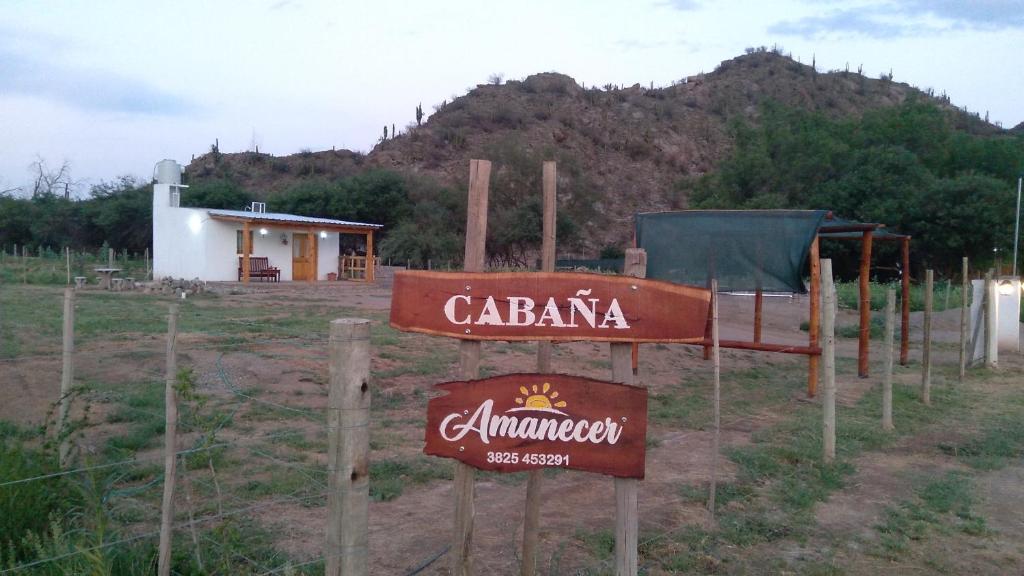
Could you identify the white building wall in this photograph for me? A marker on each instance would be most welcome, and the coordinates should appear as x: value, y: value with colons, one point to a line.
x: 178, y: 238
x: 188, y: 244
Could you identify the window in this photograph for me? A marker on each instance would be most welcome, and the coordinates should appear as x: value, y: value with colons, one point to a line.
x: 238, y: 242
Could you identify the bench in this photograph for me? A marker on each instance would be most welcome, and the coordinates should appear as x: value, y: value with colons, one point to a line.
x: 259, y: 267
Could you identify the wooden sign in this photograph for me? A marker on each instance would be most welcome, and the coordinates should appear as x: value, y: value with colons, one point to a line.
x: 555, y: 306
x: 526, y: 421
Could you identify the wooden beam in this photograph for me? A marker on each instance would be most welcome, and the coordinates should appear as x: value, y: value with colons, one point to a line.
x: 758, y: 313
x: 534, y: 482
x: 863, y: 343
x: 765, y: 347
x: 814, y: 318
x: 626, y: 489
x: 469, y: 366
x: 905, y: 304
x: 246, y: 250
x: 314, y: 255
x: 369, y: 257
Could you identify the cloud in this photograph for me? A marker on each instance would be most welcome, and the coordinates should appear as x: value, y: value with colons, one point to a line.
x: 897, y: 18
x: 854, y: 22
x: 685, y: 5
x: 987, y: 14
x: 36, y: 72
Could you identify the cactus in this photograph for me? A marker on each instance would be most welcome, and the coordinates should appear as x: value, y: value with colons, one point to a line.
x: 419, y: 113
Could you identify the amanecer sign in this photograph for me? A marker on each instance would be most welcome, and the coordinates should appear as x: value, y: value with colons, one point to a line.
x: 525, y: 421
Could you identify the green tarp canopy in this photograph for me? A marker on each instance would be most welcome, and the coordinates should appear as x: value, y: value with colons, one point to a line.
x: 745, y: 250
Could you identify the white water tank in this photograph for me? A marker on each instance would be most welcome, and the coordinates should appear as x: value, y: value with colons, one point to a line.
x: 167, y: 172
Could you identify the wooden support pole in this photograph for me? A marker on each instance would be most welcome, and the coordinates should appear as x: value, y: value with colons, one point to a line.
x: 758, y: 313
x: 926, y: 343
x: 534, y: 481
x: 67, y: 255
x: 370, y: 260
x: 110, y: 257
x: 863, y: 343
x: 814, y: 318
x: 890, y: 329
x: 828, y: 353
x: 348, y: 456
x: 246, y: 250
x: 626, y: 507
x: 170, y: 442
x: 991, y: 322
x: 469, y: 365
x: 964, y: 285
x: 905, y: 303
x: 716, y: 400
x: 66, y: 377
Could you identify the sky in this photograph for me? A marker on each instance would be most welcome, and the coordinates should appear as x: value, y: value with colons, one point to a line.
x: 113, y: 87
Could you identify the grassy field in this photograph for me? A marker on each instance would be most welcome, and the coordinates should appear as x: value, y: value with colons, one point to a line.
x: 252, y: 481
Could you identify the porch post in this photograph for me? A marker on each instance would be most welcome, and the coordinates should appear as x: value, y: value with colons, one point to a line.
x: 905, y: 304
x: 369, y: 256
x: 813, y: 321
x: 246, y: 250
x: 314, y: 254
x: 863, y: 345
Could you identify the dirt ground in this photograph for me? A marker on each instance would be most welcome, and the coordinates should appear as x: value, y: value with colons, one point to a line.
x: 410, y: 533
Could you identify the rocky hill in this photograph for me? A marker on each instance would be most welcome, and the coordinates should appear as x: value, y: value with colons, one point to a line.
x: 630, y: 144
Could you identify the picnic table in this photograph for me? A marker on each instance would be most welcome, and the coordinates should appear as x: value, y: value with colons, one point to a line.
x: 106, y: 275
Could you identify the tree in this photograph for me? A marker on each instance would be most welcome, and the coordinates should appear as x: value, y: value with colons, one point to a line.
x: 47, y: 181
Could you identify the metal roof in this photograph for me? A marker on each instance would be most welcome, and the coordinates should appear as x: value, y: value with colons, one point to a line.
x: 278, y: 217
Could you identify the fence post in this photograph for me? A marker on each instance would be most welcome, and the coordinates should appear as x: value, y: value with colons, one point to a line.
x: 348, y: 458
x: 716, y: 398
x: 626, y: 509
x: 67, y: 253
x: 66, y: 377
x: 170, y: 442
x: 110, y: 257
x: 963, y: 318
x: 469, y: 365
x: 828, y: 354
x: 890, y: 329
x: 926, y: 345
x: 534, y: 481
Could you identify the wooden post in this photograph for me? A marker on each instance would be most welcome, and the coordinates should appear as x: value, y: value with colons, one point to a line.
x: 828, y: 352
x: 469, y: 364
x: 926, y: 344
x: 716, y: 399
x: 991, y: 322
x: 348, y: 457
x: 66, y: 377
x: 370, y: 272
x: 67, y: 254
x: 864, y: 344
x: 964, y: 285
x: 170, y: 442
x: 949, y: 287
x: 626, y: 509
x: 758, y: 313
x: 890, y: 329
x: 534, y: 481
x: 905, y: 304
x: 246, y: 250
x: 110, y: 257
x: 814, y: 318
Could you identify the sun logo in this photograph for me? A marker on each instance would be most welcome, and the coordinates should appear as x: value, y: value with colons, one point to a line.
x: 540, y: 399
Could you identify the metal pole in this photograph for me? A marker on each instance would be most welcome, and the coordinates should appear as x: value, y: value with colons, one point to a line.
x: 1016, y: 227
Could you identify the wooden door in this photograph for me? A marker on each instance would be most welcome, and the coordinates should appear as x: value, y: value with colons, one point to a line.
x: 302, y: 257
